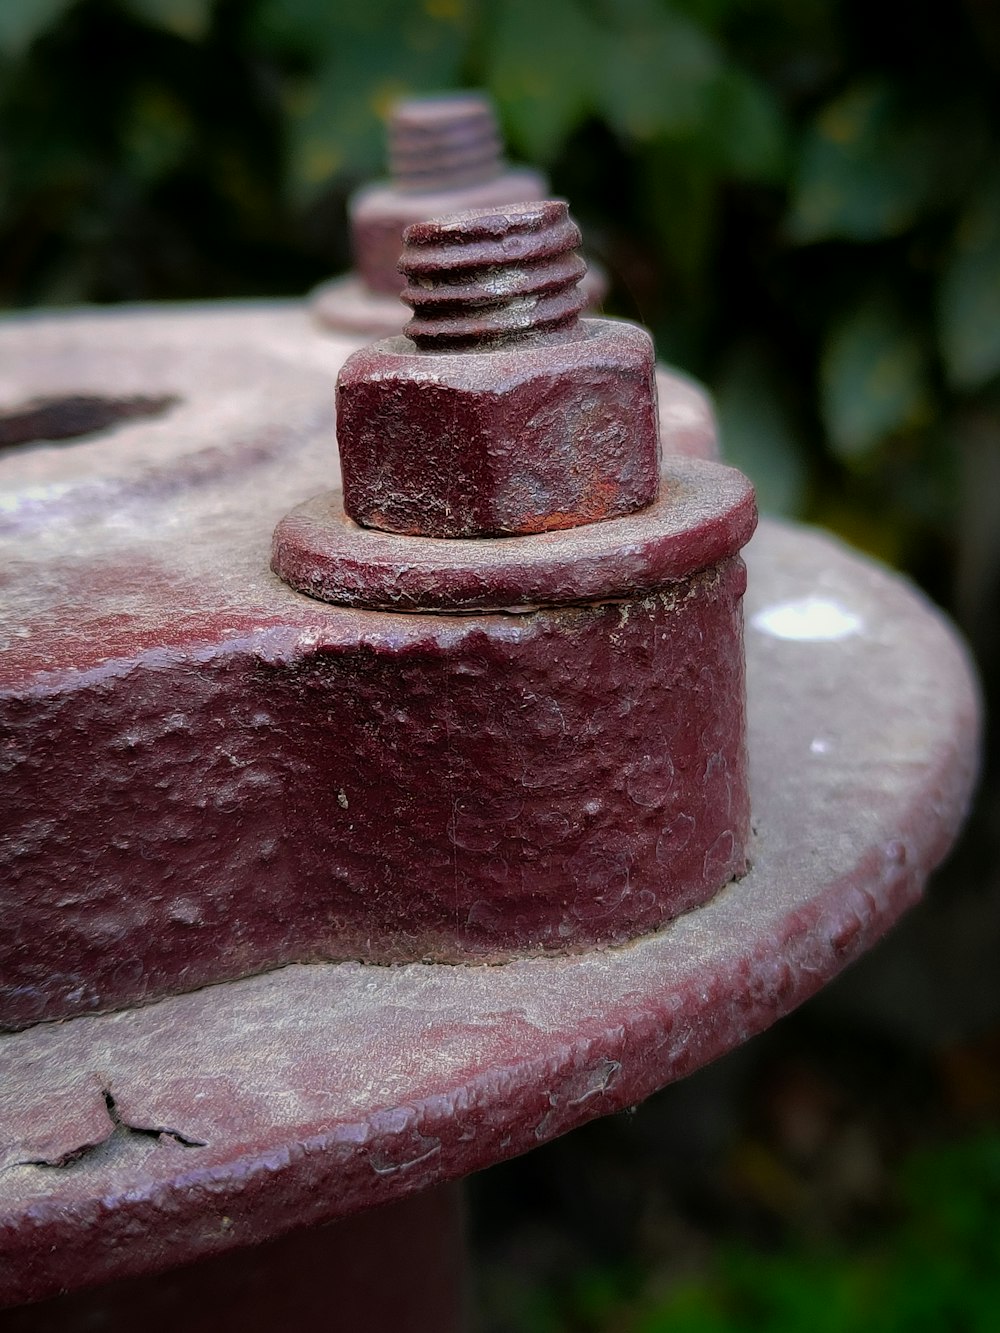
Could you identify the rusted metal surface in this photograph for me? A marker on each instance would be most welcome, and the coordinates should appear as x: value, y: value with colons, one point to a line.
x: 246, y: 386
x: 445, y: 156
x: 501, y: 412
x: 211, y: 775
x: 314, y: 1091
x: 181, y: 724
x: 438, y: 455
x: 703, y: 515
x: 492, y: 277
x: 397, y: 1269
x: 447, y: 142
x: 589, y: 782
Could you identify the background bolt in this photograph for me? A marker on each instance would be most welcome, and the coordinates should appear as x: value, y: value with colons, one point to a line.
x: 445, y: 154
x: 444, y: 143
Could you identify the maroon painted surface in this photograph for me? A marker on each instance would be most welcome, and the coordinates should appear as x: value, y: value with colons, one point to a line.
x: 704, y: 514
x: 319, y: 1090
x: 396, y: 1269
x: 448, y: 141
x: 212, y: 807
x: 347, y: 306
x: 687, y: 419
x: 239, y: 1112
x: 208, y: 776
x: 380, y: 214
x: 513, y: 440
x: 445, y: 155
x: 246, y: 388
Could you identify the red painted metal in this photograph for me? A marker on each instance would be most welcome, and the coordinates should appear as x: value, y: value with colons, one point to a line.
x: 265, y: 796
x: 148, y: 629
x: 321, y: 1090
x: 445, y: 157
x: 534, y: 815
x: 398, y: 1268
x: 703, y: 515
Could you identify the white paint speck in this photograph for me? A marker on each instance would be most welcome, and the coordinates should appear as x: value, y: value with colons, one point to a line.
x: 819, y: 746
x: 816, y: 619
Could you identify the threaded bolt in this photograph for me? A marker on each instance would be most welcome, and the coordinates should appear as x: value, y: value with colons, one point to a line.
x: 503, y: 412
x: 491, y: 277
x: 444, y: 143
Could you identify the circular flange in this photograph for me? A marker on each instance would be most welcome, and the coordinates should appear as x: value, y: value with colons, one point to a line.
x: 312, y: 1092
x: 704, y: 513
x: 346, y: 305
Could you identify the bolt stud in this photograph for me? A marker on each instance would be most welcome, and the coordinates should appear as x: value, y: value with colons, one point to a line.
x: 443, y: 143
x: 490, y: 276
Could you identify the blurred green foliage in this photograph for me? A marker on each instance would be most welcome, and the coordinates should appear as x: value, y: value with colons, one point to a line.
x: 935, y: 1268
x: 800, y: 197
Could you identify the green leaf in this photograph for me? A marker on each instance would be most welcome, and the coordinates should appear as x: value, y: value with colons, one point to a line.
x: 969, y: 304
x: 542, y: 62
x: 658, y: 76
x: 873, y: 379
x: 756, y: 432
x: 185, y: 18
x: 21, y: 21
x: 303, y: 28
x: 865, y: 170
x: 680, y: 202
x: 384, y: 50
x: 157, y: 133
x: 747, y: 128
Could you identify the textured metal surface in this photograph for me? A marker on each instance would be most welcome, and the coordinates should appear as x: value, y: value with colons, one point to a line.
x: 704, y: 514
x: 246, y: 387
x: 346, y: 305
x: 346, y: 784
x: 500, y: 412
x: 444, y: 155
x: 449, y: 141
x: 380, y: 214
x: 210, y: 775
x: 491, y: 276
x: 515, y: 440
x: 397, y: 1269
x: 243, y: 1110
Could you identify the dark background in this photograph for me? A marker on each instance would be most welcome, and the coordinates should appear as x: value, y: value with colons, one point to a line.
x: 802, y: 200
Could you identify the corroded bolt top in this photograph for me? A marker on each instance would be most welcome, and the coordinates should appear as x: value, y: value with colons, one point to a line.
x: 492, y: 276
x: 444, y: 143
x: 503, y: 412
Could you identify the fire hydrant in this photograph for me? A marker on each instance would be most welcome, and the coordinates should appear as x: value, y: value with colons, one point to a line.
x: 490, y: 733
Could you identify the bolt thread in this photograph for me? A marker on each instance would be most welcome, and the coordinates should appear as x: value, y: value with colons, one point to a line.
x: 444, y: 143
x: 492, y: 276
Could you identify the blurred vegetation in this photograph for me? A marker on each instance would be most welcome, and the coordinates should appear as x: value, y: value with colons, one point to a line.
x: 935, y: 1267
x: 800, y: 197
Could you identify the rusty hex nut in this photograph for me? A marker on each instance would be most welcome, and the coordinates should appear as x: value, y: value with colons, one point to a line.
x: 518, y: 439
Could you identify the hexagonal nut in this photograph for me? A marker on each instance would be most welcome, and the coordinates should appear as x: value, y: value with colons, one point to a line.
x: 524, y: 438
